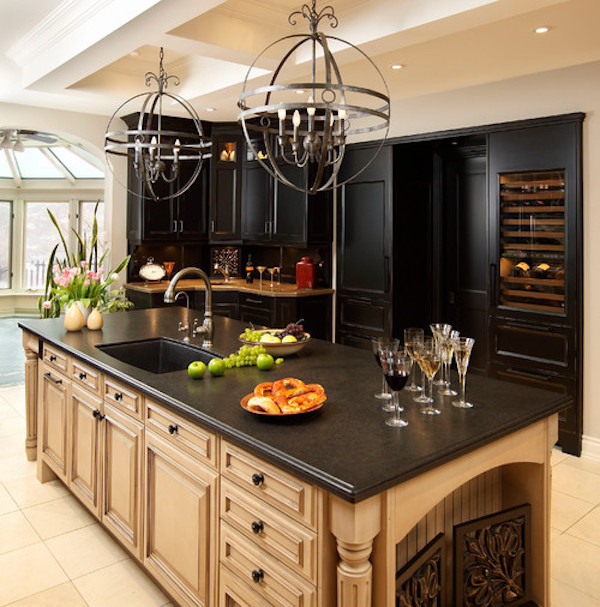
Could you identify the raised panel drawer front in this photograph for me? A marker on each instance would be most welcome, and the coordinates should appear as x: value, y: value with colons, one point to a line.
x: 182, y: 433
x: 265, y: 574
x: 234, y: 593
x: 86, y: 376
x: 122, y: 397
x: 55, y: 358
x: 280, y: 489
x: 288, y: 541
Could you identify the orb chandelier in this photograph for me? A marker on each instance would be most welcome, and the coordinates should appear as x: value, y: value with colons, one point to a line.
x: 157, y: 154
x: 311, y: 122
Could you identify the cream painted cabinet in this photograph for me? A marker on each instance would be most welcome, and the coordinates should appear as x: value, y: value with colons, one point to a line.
x: 54, y: 389
x: 181, y: 522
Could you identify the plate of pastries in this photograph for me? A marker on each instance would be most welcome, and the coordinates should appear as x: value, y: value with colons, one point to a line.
x: 287, y: 396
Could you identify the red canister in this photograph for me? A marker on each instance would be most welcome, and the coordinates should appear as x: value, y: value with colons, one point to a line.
x: 306, y: 274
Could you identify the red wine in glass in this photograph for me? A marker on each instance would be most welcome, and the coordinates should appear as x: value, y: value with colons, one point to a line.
x: 396, y: 382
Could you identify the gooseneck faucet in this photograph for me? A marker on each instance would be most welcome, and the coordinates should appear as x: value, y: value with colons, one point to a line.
x: 207, y: 329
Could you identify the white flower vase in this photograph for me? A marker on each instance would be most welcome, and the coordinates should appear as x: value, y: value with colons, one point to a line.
x: 95, y: 320
x: 74, y: 318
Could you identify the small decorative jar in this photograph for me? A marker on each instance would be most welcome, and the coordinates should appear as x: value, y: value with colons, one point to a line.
x: 95, y: 320
x: 306, y: 274
x: 74, y: 320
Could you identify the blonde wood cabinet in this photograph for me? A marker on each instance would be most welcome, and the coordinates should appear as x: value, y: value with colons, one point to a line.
x: 181, y: 516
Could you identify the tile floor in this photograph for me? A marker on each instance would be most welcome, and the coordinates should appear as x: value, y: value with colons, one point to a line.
x: 54, y: 554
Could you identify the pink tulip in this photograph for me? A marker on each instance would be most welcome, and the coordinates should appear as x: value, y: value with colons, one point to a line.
x: 86, y: 282
x: 100, y: 270
x: 47, y: 305
x: 84, y: 264
x: 55, y: 268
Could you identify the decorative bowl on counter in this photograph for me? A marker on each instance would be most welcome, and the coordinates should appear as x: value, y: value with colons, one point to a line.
x: 277, y: 349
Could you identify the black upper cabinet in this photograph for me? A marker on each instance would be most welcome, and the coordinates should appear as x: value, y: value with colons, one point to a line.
x: 225, y: 184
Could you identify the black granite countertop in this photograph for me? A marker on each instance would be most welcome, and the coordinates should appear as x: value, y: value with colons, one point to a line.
x: 344, y: 447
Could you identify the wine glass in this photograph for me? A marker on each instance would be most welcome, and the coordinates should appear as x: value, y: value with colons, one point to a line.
x: 380, y: 346
x: 412, y: 338
x: 440, y: 330
x: 429, y: 359
x: 462, y: 354
x: 169, y: 265
x: 277, y: 270
x: 261, y: 269
x: 271, y: 272
x: 396, y: 368
x: 447, y: 345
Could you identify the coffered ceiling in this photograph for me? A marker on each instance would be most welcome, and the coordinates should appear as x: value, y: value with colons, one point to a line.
x: 90, y: 55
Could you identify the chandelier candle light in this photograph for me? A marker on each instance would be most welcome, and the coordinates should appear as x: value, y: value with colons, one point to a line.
x: 157, y: 154
x: 312, y: 129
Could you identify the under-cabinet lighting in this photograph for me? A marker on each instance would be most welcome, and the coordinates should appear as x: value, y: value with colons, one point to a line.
x: 543, y: 29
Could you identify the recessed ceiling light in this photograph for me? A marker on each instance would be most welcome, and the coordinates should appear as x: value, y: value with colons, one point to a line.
x: 300, y: 91
x: 543, y: 29
x: 134, y: 54
x: 210, y: 109
x: 397, y: 66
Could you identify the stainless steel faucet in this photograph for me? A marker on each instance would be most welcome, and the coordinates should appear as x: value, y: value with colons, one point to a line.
x: 207, y: 329
x: 224, y: 269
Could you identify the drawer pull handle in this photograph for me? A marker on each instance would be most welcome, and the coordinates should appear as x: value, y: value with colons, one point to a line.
x: 254, y: 301
x: 98, y: 415
x: 531, y: 374
x: 258, y: 478
x: 173, y: 428
x: 55, y: 381
x: 52, y: 358
x: 82, y: 375
x: 257, y: 575
x: 118, y: 396
x: 257, y: 526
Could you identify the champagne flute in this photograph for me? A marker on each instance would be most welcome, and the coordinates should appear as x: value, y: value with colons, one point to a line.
x: 261, y: 269
x: 429, y: 359
x: 169, y: 265
x: 396, y: 368
x: 390, y: 346
x: 440, y: 330
x: 271, y: 272
x: 278, y: 272
x: 412, y: 338
x: 447, y: 345
x: 462, y: 354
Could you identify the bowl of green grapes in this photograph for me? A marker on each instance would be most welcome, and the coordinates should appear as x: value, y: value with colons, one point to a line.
x: 277, y: 342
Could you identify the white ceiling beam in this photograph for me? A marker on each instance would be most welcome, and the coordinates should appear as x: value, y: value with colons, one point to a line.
x: 58, y: 166
x: 13, y: 167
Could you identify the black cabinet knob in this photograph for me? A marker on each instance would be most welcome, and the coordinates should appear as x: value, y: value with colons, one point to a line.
x: 258, y: 478
x: 52, y: 358
x: 98, y: 415
x: 257, y: 575
x: 82, y: 375
x: 257, y: 526
x: 118, y: 396
x: 173, y: 428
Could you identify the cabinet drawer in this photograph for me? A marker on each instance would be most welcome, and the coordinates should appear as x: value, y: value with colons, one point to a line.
x: 122, y: 397
x: 182, y: 433
x: 280, y: 489
x: 265, y: 574
x: 234, y: 593
x: 284, y: 539
x: 362, y: 314
x: 86, y: 376
x: 250, y: 300
x: 55, y: 358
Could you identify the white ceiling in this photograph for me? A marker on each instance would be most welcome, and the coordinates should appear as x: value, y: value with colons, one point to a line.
x: 77, y: 54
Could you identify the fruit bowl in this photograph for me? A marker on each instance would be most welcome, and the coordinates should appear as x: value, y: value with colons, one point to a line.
x: 278, y: 349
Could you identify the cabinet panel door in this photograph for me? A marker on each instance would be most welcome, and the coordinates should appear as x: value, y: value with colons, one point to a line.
x: 180, y: 522
x: 122, y: 473
x: 54, y: 391
x: 159, y: 219
x: 290, y: 208
x: 256, y: 208
x: 192, y: 205
x: 85, y: 445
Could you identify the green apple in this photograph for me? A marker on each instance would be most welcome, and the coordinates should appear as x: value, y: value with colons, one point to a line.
x: 216, y: 367
x: 196, y: 369
x: 288, y: 339
x: 264, y: 362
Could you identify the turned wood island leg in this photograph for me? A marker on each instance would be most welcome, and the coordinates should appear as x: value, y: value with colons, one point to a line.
x: 31, y: 346
x: 354, y: 527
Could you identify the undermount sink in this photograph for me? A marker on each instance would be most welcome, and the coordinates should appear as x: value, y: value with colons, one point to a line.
x: 157, y: 355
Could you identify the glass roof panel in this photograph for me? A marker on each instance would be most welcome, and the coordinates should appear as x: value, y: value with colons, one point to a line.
x: 5, y: 171
x: 77, y: 166
x: 32, y: 164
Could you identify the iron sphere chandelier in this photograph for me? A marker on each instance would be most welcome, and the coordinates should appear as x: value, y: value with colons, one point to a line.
x: 310, y: 123
x: 157, y: 154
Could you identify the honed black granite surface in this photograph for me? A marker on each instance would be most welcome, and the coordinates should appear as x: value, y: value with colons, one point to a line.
x: 344, y: 447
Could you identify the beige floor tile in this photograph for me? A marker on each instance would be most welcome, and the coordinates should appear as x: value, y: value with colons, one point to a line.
x: 583, y: 463
x: 27, y: 492
x: 588, y: 528
x: 65, y: 595
x: 567, y: 510
x: 558, y: 456
x: 6, y: 411
x: 12, y: 426
x: 577, y: 563
x: 554, y: 533
x: 14, y: 394
x: 577, y: 483
x: 564, y: 595
x: 85, y: 550
x: 28, y: 571
x: 16, y: 532
x: 7, y: 503
x: 58, y: 516
x: 128, y: 586
x: 11, y: 446
x: 16, y: 466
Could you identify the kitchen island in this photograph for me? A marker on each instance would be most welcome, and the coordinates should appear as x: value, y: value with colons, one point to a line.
x: 318, y: 509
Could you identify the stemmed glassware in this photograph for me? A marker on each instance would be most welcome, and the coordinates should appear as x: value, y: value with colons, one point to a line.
x: 384, y: 347
x: 261, y: 269
x: 440, y: 330
x: 462, y: 354
x: 169, y: 265
x: 271, y: 272
x: 277, y: 270
x: 429, y: 359
x: 413, y: 337
x: 396, y: 368
x: 447, y: 345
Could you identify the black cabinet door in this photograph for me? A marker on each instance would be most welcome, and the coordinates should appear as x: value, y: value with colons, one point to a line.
x: 192, y: 211
x: 290, y: 208
x: 257, y: 199
x: 159, y: 219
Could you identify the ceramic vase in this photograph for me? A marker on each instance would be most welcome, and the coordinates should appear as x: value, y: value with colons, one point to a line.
x: 95, y: 320
x: 74, y: 318
x: 85, y: 310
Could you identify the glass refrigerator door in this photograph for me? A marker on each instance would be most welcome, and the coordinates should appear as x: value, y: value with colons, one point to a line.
x: 532, y: 240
